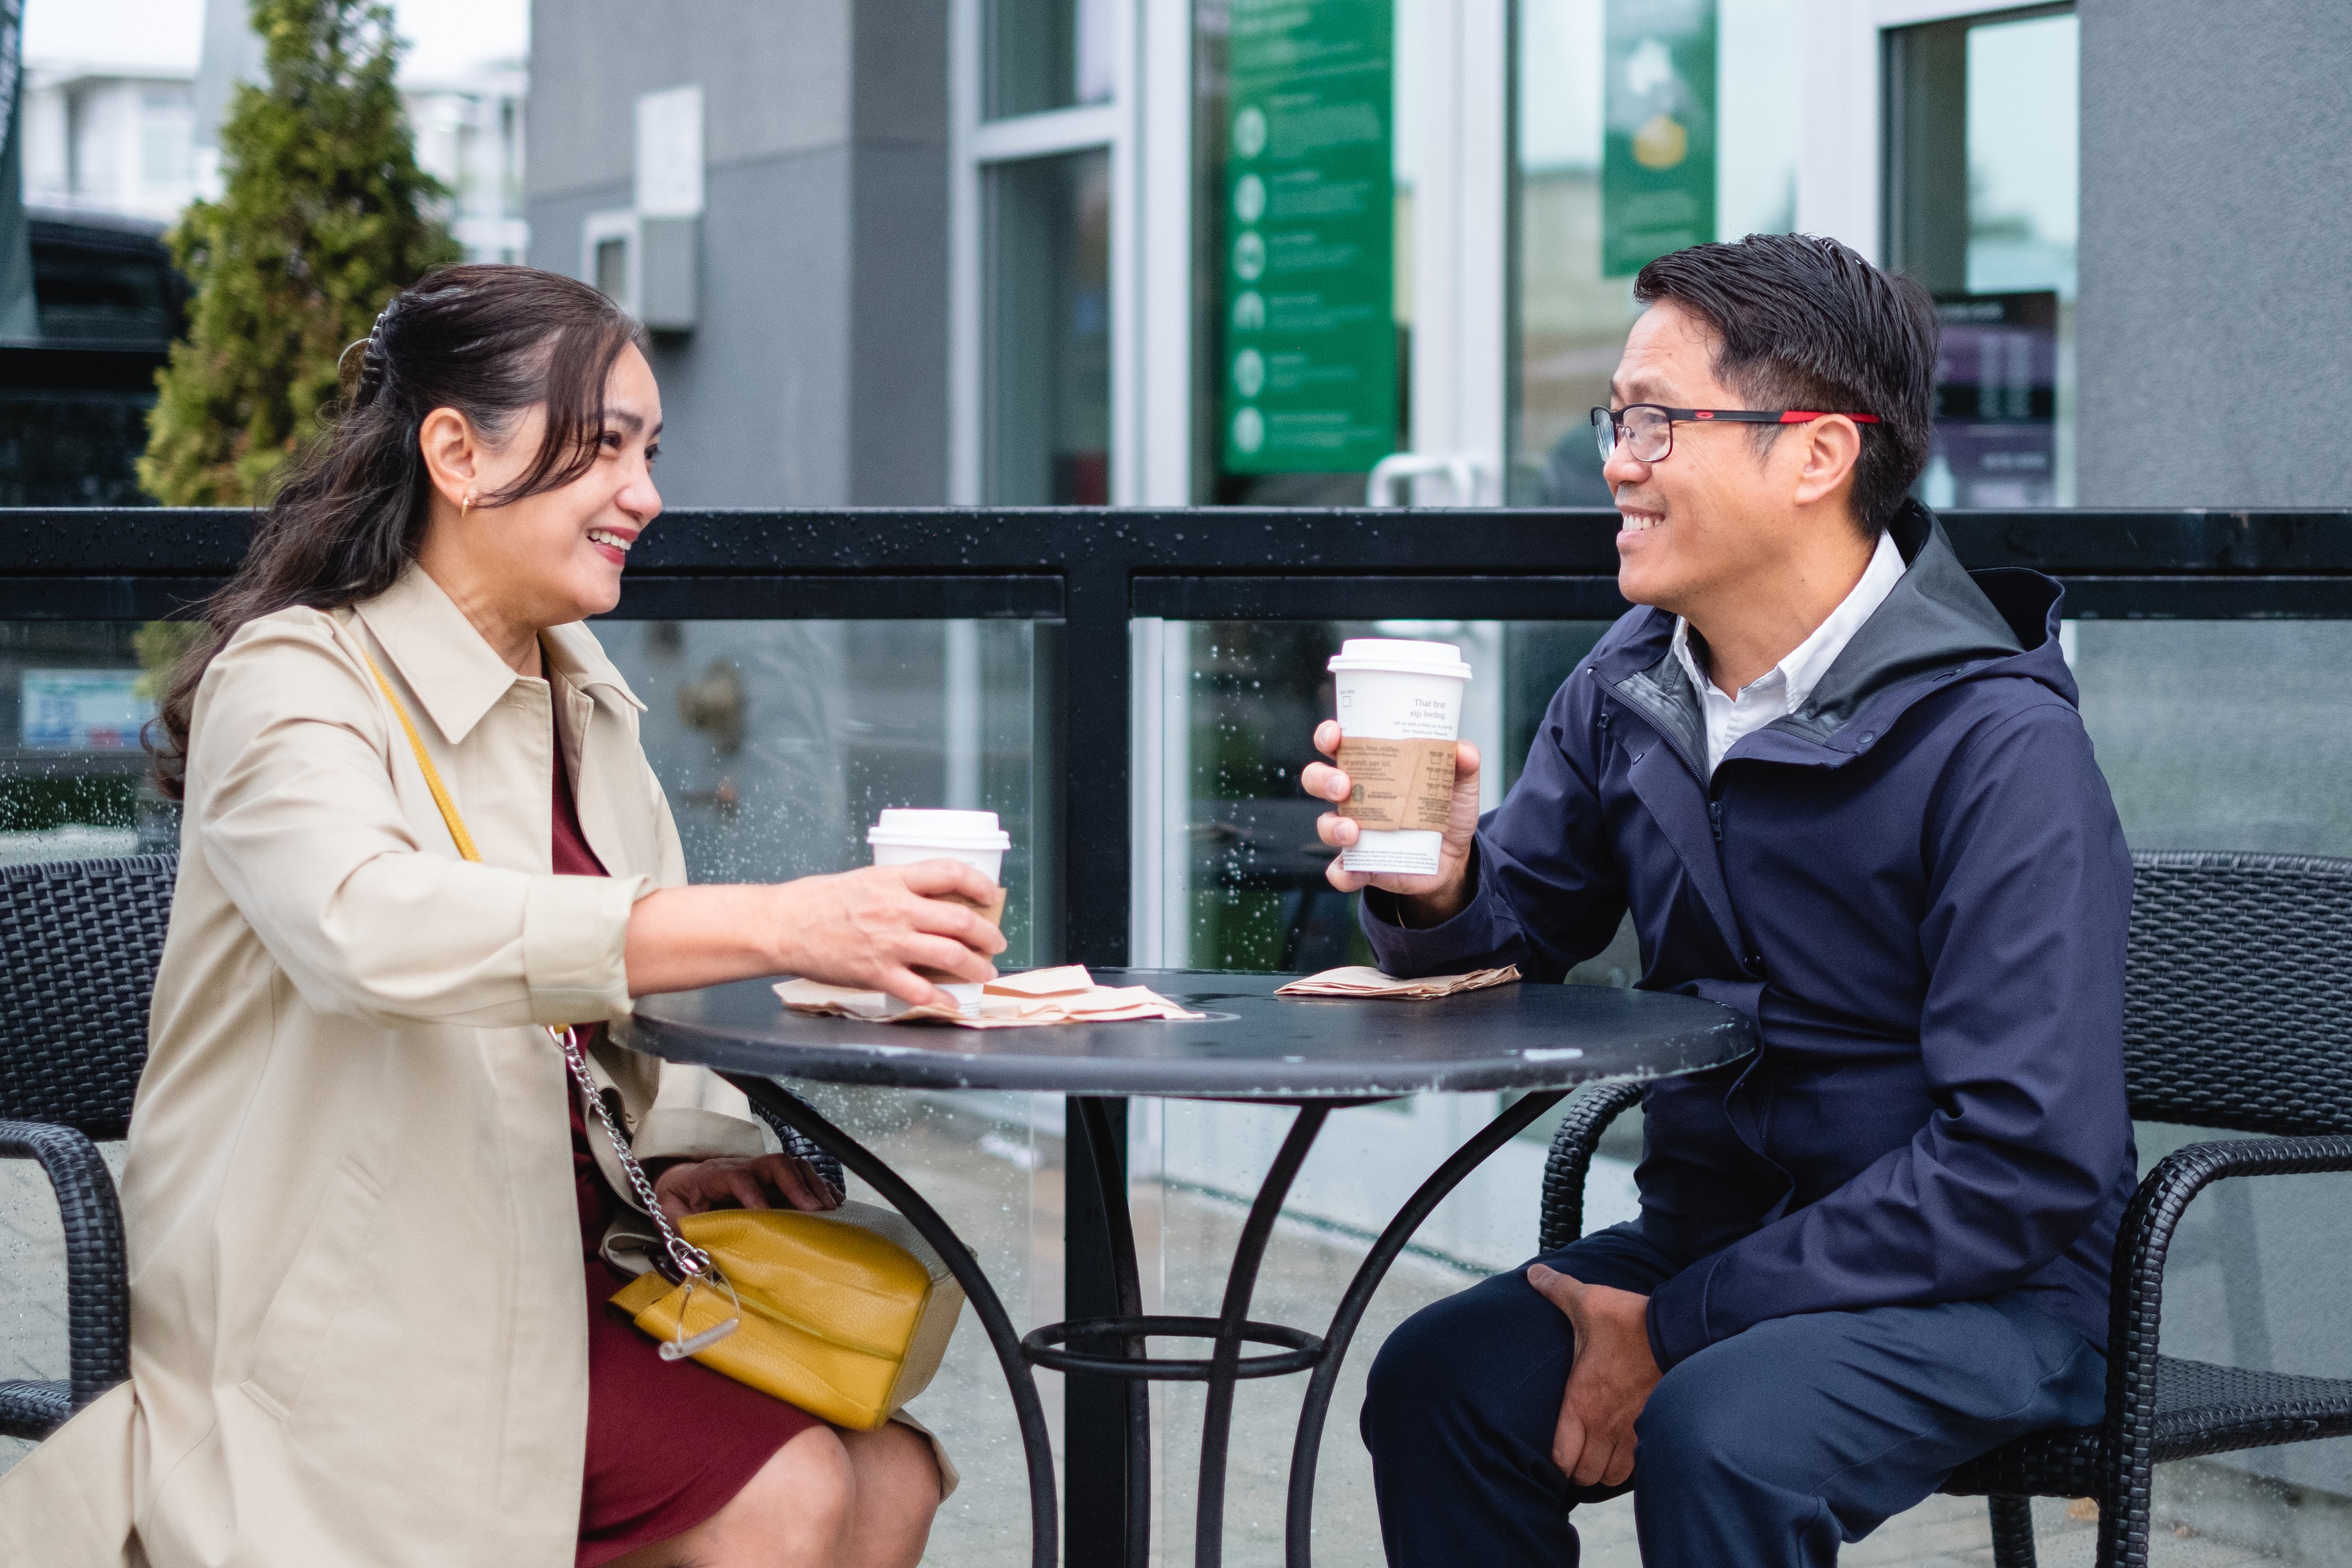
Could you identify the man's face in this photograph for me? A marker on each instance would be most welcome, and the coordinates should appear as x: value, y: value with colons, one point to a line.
x: 1716, y: 512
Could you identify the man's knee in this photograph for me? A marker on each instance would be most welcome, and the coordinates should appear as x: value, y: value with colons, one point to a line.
x: 1470, y: 1353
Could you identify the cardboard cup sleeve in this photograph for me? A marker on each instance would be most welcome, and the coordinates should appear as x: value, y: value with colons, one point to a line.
x: 1400, y: 785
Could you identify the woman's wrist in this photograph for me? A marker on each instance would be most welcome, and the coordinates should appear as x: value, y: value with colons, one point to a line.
x: 681, y: 938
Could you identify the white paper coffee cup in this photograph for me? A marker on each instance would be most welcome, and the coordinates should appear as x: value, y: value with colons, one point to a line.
x: 903, y: 836
x: 1394, y: 689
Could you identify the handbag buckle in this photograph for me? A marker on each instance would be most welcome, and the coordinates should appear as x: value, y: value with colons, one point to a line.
x: 680, y: 1346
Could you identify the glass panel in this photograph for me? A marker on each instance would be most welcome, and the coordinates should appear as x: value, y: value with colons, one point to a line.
x: 1046, y: 54
x: 1048, y: 330
x: 779, y: 740
x: 73, y: 778
x: 776, y: 740
x: 1572, y: 308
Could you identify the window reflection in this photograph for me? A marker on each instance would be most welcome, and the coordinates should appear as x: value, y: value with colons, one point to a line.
x: 73, y: 778
x: 778, y: 741
x: 1573, y: 306
x: 1047, y: 299
x: 1044, y: 55
x: 1982, y: 173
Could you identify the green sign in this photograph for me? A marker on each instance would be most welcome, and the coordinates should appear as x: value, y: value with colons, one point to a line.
x: 1308, y: 359
x: 1657, y: 155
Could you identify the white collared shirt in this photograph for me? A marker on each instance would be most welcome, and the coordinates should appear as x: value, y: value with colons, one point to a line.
x: 1784, y: 688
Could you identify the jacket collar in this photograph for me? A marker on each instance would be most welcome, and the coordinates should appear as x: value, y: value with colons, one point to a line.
x: 453, y: 673
x: 1937, y: 619
x: 1939, y: 622
x: 573, y: 652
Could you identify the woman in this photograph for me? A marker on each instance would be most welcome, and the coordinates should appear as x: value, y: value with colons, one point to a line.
x: 359, y: 1214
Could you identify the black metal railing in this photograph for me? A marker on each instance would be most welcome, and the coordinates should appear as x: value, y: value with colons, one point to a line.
x: 1090, y: 570
x: 1085, y: 573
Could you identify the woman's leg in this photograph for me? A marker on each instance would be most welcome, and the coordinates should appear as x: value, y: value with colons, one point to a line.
x: 897, y: 1492
x: 794, y: 1513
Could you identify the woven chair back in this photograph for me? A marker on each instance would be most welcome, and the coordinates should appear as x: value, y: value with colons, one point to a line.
x: 80, y: 941
x: 2238, y: 1005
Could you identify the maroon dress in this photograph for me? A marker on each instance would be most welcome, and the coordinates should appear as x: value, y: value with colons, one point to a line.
x: 670, y: 1442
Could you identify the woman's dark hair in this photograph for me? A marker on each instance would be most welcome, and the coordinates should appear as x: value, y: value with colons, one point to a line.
x: 1808, y: 324
x: 488, y: 342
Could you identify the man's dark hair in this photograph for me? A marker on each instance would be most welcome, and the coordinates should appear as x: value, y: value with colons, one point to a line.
x: 1808, y: 324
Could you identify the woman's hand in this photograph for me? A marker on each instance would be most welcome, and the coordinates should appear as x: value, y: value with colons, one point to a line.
x: 874, y: 929
x: 869, y: 929
x: 735, y: 1182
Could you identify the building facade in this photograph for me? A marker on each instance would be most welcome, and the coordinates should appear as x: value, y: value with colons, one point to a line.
x: 1168, y: 252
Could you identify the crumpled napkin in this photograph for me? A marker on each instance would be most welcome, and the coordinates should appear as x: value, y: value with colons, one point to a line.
x: 1030, y: 1001
x: 1363, y: 980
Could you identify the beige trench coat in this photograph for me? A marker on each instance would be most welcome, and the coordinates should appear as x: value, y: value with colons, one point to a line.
x: 358, y: 1329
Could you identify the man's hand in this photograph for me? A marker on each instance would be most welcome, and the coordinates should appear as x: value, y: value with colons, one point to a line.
x: 735, y: 1182
x: 1431, y: 900
x: 1609, y: 1382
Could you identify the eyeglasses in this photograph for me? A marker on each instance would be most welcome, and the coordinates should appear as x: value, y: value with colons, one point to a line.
x: 1648, y: 428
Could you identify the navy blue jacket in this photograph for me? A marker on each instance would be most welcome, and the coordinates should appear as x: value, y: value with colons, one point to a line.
x: 1916, y: 885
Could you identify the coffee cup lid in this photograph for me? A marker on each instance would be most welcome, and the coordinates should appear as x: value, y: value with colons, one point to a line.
x: 1401, y: 655
x: 907, y: 826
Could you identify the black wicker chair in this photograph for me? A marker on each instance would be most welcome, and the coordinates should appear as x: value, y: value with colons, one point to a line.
x: 80, y: 941
x: 2238, y: 1015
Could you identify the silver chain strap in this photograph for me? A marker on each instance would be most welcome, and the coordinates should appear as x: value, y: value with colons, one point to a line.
x: 691, y: 1261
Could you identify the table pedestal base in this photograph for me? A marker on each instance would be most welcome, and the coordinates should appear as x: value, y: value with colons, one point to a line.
x: 1116, y: 1346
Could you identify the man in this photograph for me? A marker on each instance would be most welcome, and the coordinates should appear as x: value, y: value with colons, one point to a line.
x: 1841, y: 786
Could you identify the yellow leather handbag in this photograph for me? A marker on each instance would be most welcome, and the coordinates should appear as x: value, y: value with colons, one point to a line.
x: 846, y: 1314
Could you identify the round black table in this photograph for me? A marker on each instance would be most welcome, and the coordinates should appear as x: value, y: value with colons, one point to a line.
x: 1315, y: 1053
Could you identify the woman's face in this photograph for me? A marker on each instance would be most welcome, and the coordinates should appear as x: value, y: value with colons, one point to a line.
x: 554, y: 558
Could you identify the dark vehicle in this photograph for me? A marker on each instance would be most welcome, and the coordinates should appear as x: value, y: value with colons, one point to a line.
x: 74, y: 402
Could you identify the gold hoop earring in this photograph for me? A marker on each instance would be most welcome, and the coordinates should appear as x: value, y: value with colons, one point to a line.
x: 467, y: 505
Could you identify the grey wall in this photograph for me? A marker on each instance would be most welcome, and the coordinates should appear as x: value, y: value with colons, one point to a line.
x: 818, y: 375
x: 2215, y: 323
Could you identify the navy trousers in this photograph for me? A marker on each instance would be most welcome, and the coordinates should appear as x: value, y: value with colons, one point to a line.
x: 1769, y: 1447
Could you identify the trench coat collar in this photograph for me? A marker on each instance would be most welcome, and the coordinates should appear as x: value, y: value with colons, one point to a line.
x: 573, y: 652
x: 454, y: 674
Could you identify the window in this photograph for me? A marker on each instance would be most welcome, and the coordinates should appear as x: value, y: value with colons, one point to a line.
x: 1048, y: 330
x: 1042, y: 233
x: 1046, y: 55
x: 1643, y: 126
x: 1981, y: 170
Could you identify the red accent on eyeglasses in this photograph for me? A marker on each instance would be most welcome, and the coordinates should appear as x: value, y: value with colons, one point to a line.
x: 1804, y: 415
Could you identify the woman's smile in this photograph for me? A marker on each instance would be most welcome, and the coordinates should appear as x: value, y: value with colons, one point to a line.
x: 613, y: 544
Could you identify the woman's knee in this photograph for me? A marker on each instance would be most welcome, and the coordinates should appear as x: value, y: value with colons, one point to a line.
x: 894, y: 1465
x: 799, y: 1502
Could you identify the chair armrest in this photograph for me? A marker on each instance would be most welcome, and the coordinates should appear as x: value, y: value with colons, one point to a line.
x: 97, y: 1292
x: 1590, y: 1111
x: 2137, y: 1290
